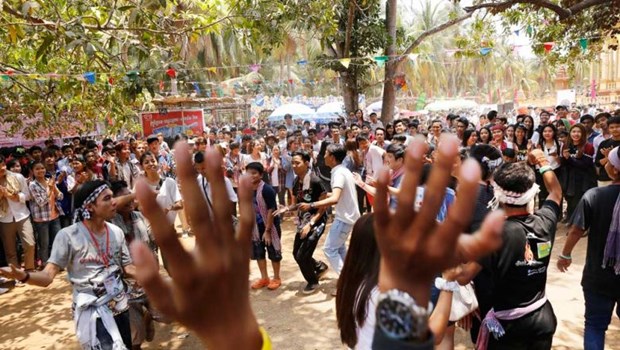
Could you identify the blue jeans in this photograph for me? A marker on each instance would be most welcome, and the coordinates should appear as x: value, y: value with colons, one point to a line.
x: 335, y: 247
x: 599, y: 309
x: 45, y: 232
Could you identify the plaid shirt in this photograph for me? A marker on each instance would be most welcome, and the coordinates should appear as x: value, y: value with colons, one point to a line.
x: 40, y: 207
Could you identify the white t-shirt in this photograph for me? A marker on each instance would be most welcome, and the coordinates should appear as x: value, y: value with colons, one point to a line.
x: 367, y: 331
x: 275, y: 178
x: 247, y: 159
x: 205, y: 187
x: 346, y: 209
x: 167, y: 195
x: 373, y: 160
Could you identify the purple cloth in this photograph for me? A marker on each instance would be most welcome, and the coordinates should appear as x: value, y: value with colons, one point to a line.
x: 491, y: 324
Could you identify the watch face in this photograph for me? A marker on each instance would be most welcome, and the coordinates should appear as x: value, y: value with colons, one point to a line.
x: 395, y: 319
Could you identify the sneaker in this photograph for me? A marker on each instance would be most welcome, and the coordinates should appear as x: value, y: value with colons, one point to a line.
x: 19, y: 284
x: 4, y: 280
x: 310, y: 288
x: 261, y: 283
x: 322, y: 271
x: 274, y: 284
x: 3, y: 290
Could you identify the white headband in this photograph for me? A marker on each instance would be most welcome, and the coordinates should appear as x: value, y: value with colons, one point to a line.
x: 514, y: 198
x: 614, y: 158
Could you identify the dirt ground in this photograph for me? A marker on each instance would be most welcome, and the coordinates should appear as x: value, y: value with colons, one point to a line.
x: 36, y: 318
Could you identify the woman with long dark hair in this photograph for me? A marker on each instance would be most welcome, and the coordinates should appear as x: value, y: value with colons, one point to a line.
x: 470, y: 138
x: 528, y: 122
x: 551, y: 147
x: 484, y: 135
x: 389, y: 131
x: 577, y: 159
x: 521, y: 142
x: 357, y: 291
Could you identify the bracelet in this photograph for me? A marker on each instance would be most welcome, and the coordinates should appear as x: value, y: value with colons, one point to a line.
x: 266, y: 340
x: 312, y: 205
x: 544, y: 169
x: 25, y: 278
x: 566, y: 257
x: 448, y: 286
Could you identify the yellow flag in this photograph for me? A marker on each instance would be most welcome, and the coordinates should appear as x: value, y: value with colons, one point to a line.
x: 345, y: 62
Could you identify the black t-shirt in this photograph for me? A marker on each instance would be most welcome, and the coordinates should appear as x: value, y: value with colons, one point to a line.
x: 609, y: 143
x: 485, y: 195
x: 269, y: 196
x: 594, y: 212
x: 310, y: 195
x: 519, y: 279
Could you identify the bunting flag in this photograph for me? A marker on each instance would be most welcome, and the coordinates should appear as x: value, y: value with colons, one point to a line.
x: 345, y: 62
x: 255, y: 67
x: 583, y: 42
x: 593, y: 90
x: 90, y: 77
x: 302, y: 62
x: 413, y: 56
x: 161, y: 86
x: 548, y: 46
x: 380, y: 60
x: 517, y: 32
x: 485, y: 51
x: 110, y: 81
x: 132, y: 75
x: 171, y: 73
x: 212, y: 69
x: 420, y: 102
x: 530, y: 30
x: 196, y: 88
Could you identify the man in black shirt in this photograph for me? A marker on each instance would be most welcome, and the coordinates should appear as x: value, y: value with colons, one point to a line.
x: 519, y: 268
x: 613, y: 125
x: 307, y: 188
x: 597, y: 210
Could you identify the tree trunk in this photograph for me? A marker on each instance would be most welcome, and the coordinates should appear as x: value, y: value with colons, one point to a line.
x: 389, y: 93
x: 349, y: 91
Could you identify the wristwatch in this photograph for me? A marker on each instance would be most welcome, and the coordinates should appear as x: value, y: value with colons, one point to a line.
x: 399, y: 317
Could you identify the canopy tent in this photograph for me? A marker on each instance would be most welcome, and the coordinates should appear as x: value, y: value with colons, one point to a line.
x: 297, y: 110
x: 377, y: 107
x: 446, y: 105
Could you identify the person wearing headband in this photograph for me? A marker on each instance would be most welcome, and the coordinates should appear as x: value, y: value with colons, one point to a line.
x: 518, y: 270
x: 96, y: 257
x: 598, y: 213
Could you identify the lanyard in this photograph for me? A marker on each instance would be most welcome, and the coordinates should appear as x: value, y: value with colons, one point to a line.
x: 105, y: 259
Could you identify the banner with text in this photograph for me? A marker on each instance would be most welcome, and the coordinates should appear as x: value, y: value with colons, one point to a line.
x: 173, y: 122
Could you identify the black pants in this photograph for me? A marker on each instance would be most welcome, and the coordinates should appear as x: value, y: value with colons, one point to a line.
x: 538, y: 343
x: 303, y: 249
x: 122, y: 322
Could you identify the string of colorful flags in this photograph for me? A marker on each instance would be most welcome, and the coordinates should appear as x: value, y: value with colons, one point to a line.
x: 92, y: 77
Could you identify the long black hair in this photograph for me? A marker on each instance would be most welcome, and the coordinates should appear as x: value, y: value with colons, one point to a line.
x: 359, y: 276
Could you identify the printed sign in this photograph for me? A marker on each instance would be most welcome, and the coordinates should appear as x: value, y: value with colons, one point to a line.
x: 173, y: 122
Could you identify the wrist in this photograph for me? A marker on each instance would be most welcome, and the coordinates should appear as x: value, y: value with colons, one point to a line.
x: 26, y: 278
x: 565, y: 256
x: 247, y: 335
x: 419, y: 289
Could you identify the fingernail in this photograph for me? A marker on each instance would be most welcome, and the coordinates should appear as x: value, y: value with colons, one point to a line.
x: 470, y: 171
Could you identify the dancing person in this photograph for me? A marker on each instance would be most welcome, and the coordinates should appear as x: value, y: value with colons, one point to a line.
x: 96, y: 258
x: 598, y: 212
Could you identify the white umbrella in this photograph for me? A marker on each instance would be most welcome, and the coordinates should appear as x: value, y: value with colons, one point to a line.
x: 297, y: 110
x: 377, y: 107
x: 332, y: 108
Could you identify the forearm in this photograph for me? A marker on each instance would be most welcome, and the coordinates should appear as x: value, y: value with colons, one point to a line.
x: 553, y: 186
x: 574, y: 235
x: 438, y: 321
x: 327, y: 202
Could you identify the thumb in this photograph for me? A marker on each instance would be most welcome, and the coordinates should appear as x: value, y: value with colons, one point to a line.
x: 485, y: 241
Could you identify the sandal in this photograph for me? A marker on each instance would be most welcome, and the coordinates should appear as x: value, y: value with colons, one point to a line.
x: 274, y: 284
x: 261, y: 283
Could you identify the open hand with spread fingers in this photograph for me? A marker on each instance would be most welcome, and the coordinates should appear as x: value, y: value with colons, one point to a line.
x: 414, y: 247
x: 208, y: 290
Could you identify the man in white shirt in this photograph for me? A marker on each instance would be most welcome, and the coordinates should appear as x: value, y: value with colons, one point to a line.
x: 601, y: 123
x: 373, y: 156
x: 346, y: 212
x: 201, y: 168
x: 15, y: 217
x: 380, y: 139
x: 374, y: 122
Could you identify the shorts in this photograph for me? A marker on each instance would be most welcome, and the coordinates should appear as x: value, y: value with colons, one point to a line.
x: 259, y: 248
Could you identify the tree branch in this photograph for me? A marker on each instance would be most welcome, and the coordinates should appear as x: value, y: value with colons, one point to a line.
x: 563, y: 13
x: 349, y: 30
x: 430, y: 32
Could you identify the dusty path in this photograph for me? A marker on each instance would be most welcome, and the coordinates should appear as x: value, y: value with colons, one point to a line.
x: 35, y: 318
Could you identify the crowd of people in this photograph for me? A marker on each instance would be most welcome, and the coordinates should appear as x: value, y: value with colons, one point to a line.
x: 73, y: 207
